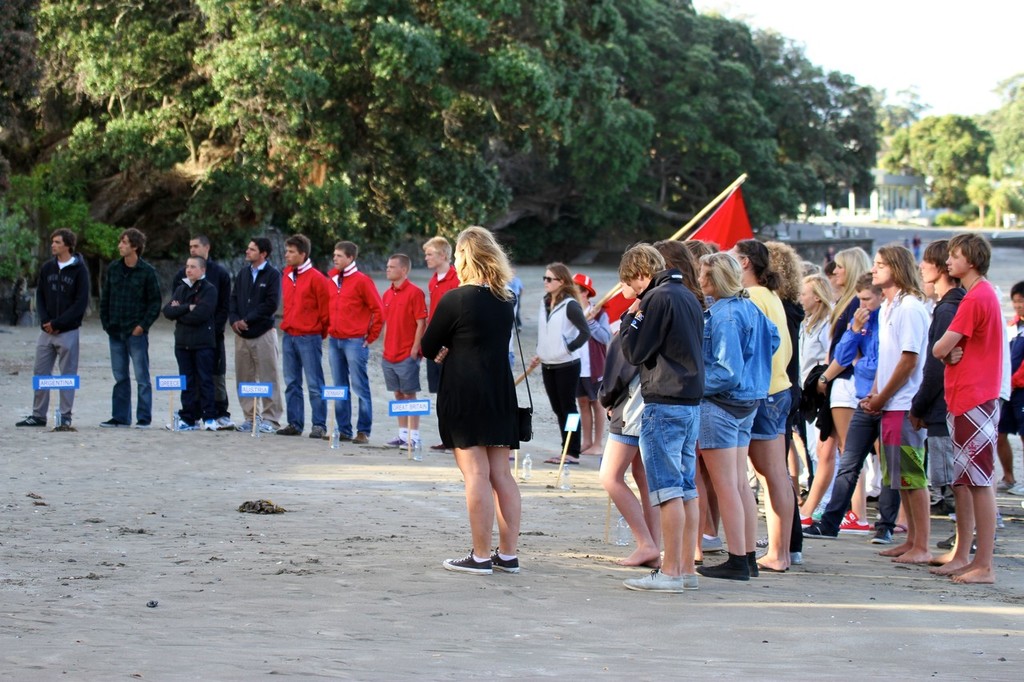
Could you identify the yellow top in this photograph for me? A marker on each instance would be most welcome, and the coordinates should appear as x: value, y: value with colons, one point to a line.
x: 771, y: 306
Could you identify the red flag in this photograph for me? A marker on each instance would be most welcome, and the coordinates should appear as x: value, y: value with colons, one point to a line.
x: 727, y: 225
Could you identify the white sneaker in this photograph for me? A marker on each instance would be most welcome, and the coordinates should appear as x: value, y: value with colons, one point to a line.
x: 225, y: 423
x: 659, y: 582
x: 210, y: 425
x: 1017, y: 489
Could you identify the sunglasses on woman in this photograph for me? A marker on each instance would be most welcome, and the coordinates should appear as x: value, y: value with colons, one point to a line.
x: 549, y: 280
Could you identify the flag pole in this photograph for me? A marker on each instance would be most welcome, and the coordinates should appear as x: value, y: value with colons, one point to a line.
x: 683, y: 230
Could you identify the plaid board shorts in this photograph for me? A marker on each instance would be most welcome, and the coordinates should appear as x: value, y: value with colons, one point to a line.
x: 903, y: 447
x: 974, y: 444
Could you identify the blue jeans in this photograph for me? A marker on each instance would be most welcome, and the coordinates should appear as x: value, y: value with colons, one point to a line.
x: 304, y: 354
x: 668, y: 446
x: 349, y: 358
x: 135, y: 349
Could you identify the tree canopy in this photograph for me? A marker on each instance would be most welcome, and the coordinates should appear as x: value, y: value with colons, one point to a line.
x: 383, y: 120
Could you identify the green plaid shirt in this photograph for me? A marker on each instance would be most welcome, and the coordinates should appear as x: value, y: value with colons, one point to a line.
x: 130, y: 298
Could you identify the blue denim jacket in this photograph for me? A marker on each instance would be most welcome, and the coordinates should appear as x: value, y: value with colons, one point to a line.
x: 866, y: 343
x: 738, y: 345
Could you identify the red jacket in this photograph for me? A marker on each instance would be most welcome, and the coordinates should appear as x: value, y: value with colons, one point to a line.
x: 355, y: 307
x: 305, y: 301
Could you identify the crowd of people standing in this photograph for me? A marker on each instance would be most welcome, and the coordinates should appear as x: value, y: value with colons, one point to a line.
x: 727, y: 368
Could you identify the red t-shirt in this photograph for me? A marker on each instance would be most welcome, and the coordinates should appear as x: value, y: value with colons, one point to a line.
x: 977, y: 378
x: 439, y: 288
x: 403, y: 306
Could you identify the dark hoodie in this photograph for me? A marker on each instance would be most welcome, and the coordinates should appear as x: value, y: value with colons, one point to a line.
x: 664, y: 337
x: 62, y: 296
x: 929, y: 403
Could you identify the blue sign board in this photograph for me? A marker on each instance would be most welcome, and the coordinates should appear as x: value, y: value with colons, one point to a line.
x: 170, y: 383
x: 67, y: 382
x: 408, y: 408
x: 334, y: 392
x: 247, y: 389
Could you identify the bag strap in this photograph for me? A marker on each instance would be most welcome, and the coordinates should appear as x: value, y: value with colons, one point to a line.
x: 522, y: 359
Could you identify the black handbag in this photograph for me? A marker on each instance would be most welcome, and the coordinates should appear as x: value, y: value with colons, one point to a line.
x: 524, y: 414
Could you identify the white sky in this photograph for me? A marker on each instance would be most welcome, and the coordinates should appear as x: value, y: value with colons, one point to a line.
x: 955, y: 53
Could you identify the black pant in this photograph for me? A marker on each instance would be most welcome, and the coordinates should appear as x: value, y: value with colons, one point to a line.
x: 863, y: 432
x: 197, y: 398
x: 220, y: 370
x: 560, y: 382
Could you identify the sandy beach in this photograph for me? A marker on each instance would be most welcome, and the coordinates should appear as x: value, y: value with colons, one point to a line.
x: 122, y: 556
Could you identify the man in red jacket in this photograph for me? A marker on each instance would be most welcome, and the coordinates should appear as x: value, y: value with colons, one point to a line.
x: 356, y: 321
x: 305, y: 322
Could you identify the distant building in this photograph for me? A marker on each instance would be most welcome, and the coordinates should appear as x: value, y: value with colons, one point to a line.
x: 899, y: 197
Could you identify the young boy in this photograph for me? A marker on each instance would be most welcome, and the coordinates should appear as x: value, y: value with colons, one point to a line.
x: 971, y: 347
x: 192, y: 307
x: 1011, y: 418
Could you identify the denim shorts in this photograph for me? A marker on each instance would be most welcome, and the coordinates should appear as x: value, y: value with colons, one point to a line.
x: 668, y: 446
x: 771, y: 415
x: 720, y: 429
x: 402, y: 376
x: 632, y: 441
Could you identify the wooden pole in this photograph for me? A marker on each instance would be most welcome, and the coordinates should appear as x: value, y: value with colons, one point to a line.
x: 682, y: 231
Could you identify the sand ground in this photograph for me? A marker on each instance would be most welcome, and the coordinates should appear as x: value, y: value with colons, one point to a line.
x: 348, y: 584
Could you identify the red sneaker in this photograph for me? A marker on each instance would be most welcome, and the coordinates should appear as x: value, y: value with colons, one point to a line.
x: 852, y: 525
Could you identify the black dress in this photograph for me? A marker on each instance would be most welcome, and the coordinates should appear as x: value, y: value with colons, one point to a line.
x: 476, y: 399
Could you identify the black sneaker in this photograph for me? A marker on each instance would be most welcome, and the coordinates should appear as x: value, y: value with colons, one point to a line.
x: 504, y: 565
x: 883, y: 536
x: 289, y: 431
x: 469, y: 565
x: 947, y: 543
x: 318, y: 433
x: 731, y: 569
x: 114, y: 424
x: 31, y: 421
x: 816, y: 531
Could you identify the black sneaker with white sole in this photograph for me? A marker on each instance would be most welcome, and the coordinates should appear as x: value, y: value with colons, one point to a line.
x: 504, y: 565
x: 469, y: 565
x: 31, y: 421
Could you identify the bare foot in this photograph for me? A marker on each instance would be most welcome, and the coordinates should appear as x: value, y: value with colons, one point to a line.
x: 585, y: 446
x: 914, y: 556
x: 642, y: 557
x: 772, y: 566
x: 942, y: 559
x: 954, y: 567
x: 976, y: 576
x: 899, y: 550
x: 595, y: 450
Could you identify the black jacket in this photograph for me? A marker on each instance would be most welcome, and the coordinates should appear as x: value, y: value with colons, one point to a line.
x: 929, y: 403
x: 193, y: 329
x: 664, y: 337
x: 255, y: 302
x: 62, y: 296
x: 615, y: 384
x: 219, y: 277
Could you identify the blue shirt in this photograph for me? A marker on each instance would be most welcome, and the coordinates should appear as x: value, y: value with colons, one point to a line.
x: 866, y: 343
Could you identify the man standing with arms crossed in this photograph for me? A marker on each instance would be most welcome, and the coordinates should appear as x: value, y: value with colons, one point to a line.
x: 218, y: 276
x: 973, y: 349
x: 437, y: 253
x: 305, y: 323
x: 356, y: 321
x: 251, y: 310
x: 662, y: 333
x: 129, y: 305
x: 405, y: 319
x: 902, y: 344
x: 62, y: 297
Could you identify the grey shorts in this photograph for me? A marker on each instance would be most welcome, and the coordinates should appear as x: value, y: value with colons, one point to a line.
x: 402, y: 376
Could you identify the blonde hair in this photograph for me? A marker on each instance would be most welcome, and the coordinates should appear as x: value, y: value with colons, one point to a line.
x: 783, y: 260
x: 821, y: 288
x: 483, y: 260
x: 855, y: 262
x: 640, y: 260
x: 905, y: 273
x: 724, y: 274
x: 441, y: 245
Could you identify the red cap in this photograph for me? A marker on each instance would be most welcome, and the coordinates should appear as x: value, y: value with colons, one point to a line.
x: 585, y: 282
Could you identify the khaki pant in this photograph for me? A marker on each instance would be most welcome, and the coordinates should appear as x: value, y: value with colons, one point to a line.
x: 256, y: 360
x: 60, y: 350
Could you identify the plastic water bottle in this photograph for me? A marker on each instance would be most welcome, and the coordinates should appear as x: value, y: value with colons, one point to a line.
x: 176, y: 424
x: 417, y: 451
x: 57, y: 420
x: 526, y: 467
x: 623, y: 536
x: 335, y: 440
x: 566, y: 483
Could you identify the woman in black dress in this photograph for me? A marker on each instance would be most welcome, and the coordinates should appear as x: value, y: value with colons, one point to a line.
x: 476, y: 401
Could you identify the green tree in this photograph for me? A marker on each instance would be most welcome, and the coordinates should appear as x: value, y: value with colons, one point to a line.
x: 18, y: 68
x: 979, y: 191
x: 948, y: 149
x: 1007, y: 125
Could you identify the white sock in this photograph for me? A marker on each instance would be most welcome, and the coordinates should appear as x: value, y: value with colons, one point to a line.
x: 403, y: 434
x: 480, y: 559
x: 415, y: 433
x: 506, y: 557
